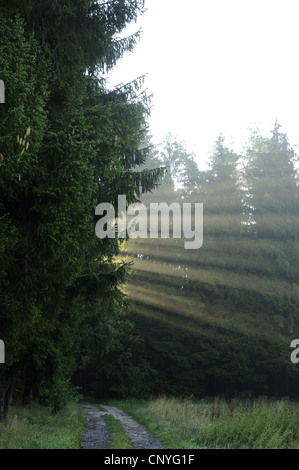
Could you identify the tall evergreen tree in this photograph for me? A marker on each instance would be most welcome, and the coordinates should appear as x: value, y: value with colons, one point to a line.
x: 66, y: 144
x: 221, y: 192
x: 270, y: 175
x: 272, y: 208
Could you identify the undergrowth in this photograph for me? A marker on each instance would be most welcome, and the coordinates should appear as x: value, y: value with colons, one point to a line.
x: 36, y: 427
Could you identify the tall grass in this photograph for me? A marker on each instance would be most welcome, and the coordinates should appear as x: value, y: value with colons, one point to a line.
x: 258, y: 423
x: 216, y: 423
x: 35, y: 427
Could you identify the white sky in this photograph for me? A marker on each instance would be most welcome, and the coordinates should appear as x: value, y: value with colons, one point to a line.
x: 217, y: 66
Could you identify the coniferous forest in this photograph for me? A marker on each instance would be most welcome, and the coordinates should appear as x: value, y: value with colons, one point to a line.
x: 144, y: 316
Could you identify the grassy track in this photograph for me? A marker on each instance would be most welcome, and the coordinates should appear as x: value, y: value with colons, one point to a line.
x: 119, y: 438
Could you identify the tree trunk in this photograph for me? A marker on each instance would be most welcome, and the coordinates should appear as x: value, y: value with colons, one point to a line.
x: 7, y: 375
x: 27, y: 394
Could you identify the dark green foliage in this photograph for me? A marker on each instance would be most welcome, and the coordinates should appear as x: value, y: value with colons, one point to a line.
x: 66, y: 144
x: 116, y: 368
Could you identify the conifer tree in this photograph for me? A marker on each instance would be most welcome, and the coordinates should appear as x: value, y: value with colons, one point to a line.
x: 67, y: 144
x: 270, y: 175
x: 272, y: 208
x: 221, y: 192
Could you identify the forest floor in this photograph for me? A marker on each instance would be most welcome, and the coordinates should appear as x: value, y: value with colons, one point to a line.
x: 97, y: 435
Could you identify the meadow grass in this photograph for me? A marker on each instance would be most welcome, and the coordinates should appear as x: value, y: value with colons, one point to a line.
x: 259, y: 423
x: 35, y: 427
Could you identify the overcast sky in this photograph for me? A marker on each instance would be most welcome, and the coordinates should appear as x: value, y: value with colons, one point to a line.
x: 217, y: 66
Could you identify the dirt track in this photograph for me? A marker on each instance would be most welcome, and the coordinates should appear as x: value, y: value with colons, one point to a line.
x: 97, y: 434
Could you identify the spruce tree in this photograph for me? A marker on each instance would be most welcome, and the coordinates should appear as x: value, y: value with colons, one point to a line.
x: 221, y: 192
x: 270, y: 177
x: 67, y: 144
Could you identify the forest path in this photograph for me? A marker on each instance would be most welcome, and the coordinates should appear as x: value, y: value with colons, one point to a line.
x: 97, y: 434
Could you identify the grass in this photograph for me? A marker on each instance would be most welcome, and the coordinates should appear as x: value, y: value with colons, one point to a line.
x: 119, y: 439
x: 180, y: 424
x: 35, y: 427
x: 219, y: 424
